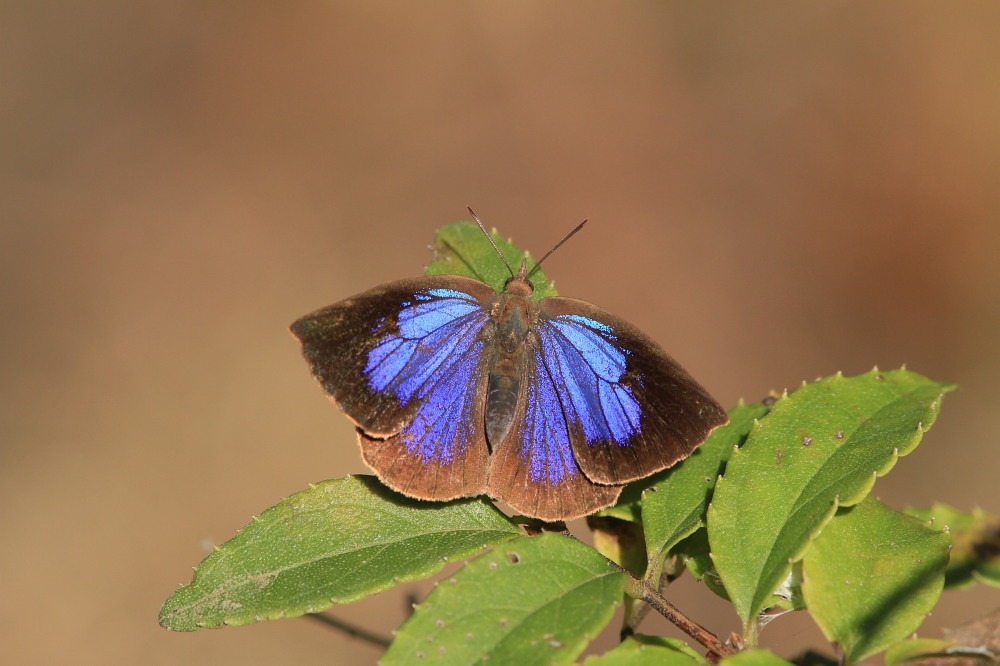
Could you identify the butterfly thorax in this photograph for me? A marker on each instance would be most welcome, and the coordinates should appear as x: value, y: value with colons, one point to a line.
x: 514, y: 315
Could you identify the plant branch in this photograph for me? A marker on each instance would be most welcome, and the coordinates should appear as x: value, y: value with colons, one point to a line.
x: 351, y: 630
x: 638, y: 589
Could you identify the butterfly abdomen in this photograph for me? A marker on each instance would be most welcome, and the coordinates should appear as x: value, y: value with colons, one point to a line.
x: 502, y: 394
x: 514, y: 315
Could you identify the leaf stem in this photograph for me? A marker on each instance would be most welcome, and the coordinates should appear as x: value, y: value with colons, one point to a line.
x: 641, y: 590
x: 377, y: 640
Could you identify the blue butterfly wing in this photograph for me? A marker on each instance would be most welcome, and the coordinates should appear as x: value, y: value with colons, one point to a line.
x: 406, y: 362
x: 630, y: 409
x: 600, y: 403
x: 534, y: 469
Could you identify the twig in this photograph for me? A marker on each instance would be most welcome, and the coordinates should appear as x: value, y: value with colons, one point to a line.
x: 638, y: 589
x: 659, y: 603
x: 377, y: 640
x: 640, y: 609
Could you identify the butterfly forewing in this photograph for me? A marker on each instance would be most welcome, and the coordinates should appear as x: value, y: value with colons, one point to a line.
x: 405, y: 362
x: 430, y: 368
x: 630, y: 409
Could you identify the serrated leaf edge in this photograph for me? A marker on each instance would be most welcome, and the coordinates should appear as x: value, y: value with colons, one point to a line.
x: 586, y: 637
x: 235, y: 620
x: 933, y: 409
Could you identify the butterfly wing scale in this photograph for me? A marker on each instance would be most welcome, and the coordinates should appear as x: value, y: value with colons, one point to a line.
x: 534, y: 470
x: 405, y: 361
x: 601, y: 404
x: 630, y: 409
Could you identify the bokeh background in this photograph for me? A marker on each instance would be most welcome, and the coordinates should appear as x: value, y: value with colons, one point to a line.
x: 777, y: 191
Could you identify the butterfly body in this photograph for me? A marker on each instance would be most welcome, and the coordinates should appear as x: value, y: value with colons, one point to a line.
x: 456, y: 390
x: 513, y: 315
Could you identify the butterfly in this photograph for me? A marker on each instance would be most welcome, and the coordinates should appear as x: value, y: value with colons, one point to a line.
x: 457, y: 390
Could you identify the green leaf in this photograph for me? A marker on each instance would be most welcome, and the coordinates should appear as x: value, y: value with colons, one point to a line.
x: 642, y: 650
x: 620, y: 541
x: 336, y: 542
x: 461, y: 248
x: 975, y: 538
x: 629, y: 504
x: 755, y: 657
x: 697, y: 560
x: 872, y: 575
x: 536, y: 600
x: 913, y: 649
x: 674, y: 507
x: 820, y: 447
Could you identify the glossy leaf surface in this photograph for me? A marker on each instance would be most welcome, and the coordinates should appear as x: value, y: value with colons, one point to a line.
x: 872, y: 575
x: 534, y: 600
x: 820, y: 447
x: 975, y: 538
x: 674, y: 507
x: 336, y: 542
x: 461, y: 248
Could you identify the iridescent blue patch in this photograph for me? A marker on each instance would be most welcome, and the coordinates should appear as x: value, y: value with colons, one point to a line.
x: 584, y: 360
x: 544, y: 439
x: 434, y: 357
x: 587, y: 321
x: 442, y: 427
x: 432, y: 331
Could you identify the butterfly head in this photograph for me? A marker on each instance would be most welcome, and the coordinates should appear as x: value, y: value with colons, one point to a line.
x: 519, y: 284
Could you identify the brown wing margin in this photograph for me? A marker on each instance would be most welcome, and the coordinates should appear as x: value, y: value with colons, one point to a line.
x: 337, y: 339
x: 677, y: 412
x: 336, y: 342
x: 539, y: 438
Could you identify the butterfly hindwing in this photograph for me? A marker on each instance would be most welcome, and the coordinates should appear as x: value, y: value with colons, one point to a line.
x: 630, y: 409
x: 534, y: 470
x: 405, y: 361
x: 431, y: 370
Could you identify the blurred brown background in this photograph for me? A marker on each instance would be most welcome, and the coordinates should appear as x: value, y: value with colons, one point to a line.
x: 776, y: 192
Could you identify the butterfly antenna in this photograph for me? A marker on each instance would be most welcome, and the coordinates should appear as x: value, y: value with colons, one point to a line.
x: 557, y: 246
x: 492, y: 242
